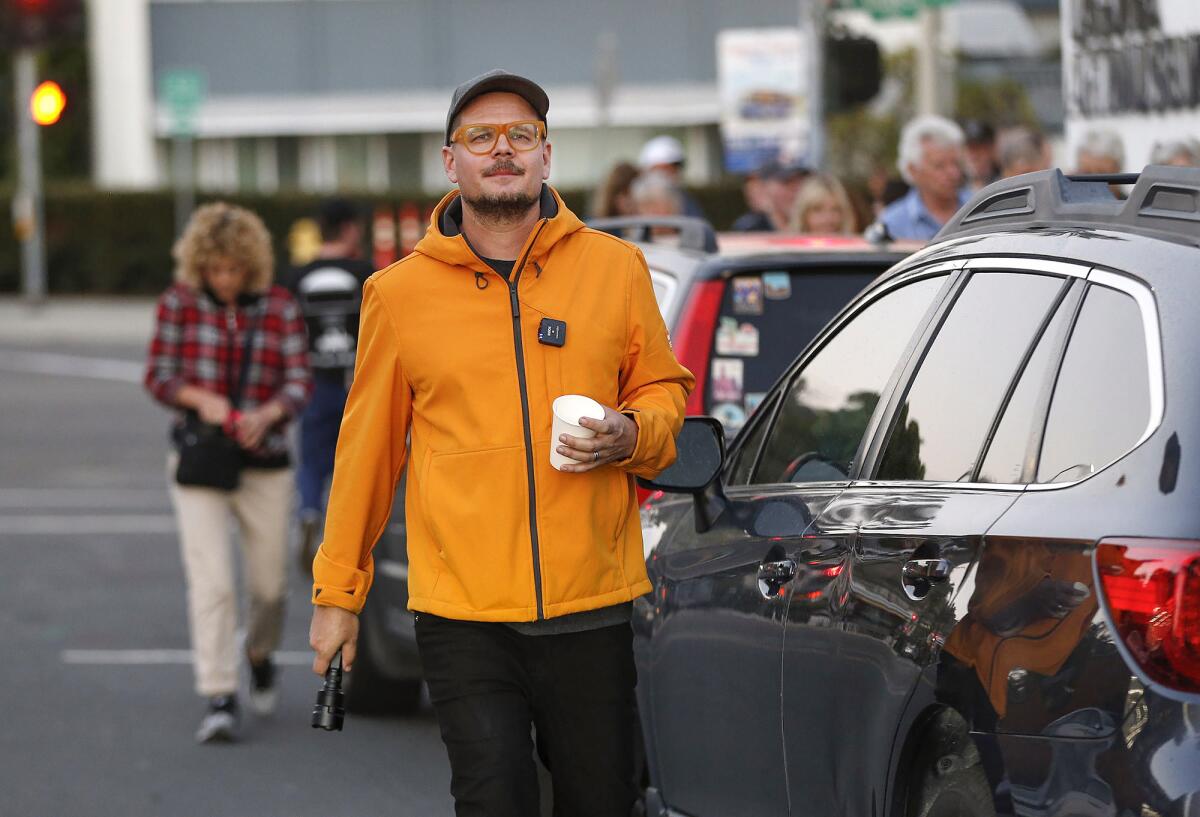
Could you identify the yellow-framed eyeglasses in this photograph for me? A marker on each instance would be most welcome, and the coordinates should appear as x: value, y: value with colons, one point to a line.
x: 481, y: 137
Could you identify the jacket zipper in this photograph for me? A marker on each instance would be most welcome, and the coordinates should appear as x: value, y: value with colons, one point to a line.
x: 520, y: 349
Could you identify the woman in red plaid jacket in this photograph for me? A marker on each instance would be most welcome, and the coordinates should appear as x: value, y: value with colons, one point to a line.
x: 222, y: 303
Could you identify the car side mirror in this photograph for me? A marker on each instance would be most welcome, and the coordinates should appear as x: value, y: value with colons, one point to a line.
x: 700, y: 449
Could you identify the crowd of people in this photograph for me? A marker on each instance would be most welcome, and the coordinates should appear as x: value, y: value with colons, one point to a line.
x: 940, y: 163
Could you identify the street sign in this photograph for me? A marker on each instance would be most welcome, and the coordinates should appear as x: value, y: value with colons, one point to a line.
x: 882, y: 9
x: 764, y: 94
x: 182, y: 91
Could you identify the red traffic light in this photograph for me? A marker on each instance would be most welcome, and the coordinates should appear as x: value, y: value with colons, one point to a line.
x: 35, y: 23
x: 47, y: 103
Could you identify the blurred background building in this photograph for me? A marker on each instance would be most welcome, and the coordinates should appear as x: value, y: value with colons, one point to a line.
x: 320, y: 95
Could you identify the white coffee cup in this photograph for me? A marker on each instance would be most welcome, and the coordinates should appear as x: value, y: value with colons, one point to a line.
x: 568, y: 410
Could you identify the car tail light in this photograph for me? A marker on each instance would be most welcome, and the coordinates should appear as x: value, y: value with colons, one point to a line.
x: 648, y: 497
x: 694, y: 335
x: 1151, y: 588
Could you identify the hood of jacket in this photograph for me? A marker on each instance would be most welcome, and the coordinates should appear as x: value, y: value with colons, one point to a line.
x: 444, y: 240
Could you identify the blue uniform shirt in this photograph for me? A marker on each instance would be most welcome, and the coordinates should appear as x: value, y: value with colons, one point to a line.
x: 910, y: 218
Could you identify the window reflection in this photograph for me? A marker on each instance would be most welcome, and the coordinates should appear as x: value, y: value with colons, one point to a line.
x: 1101, y: 401
x: 958, y: 390
x: 829, y: 403
x: 740, y: 473
x: 1005, y: 460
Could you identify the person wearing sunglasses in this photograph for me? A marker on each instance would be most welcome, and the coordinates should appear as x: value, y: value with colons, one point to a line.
x: 521, y: 574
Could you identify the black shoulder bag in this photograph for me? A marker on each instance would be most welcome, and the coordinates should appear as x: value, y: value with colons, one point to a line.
x: 208, y: 457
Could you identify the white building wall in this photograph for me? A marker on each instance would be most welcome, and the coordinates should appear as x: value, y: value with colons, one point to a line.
x: 265, y: 103
x: 122, y: 102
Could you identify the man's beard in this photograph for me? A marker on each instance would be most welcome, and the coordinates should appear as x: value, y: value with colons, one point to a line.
x: 502, y: 208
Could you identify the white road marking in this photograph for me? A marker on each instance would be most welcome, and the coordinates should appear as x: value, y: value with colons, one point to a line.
x: 145, y: 658
x: 392, y: 569
x: 107, y: 498
x: 56, y: 364
x: 91, y: 525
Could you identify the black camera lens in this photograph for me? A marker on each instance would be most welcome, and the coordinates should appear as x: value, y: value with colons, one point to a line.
x: 330, y: 711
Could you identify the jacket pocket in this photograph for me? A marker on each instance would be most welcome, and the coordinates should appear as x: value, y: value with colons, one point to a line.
x: 583, y: 519
x: 476, y: 509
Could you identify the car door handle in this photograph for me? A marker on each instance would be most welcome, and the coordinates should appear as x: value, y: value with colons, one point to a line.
x: 931, y: 570
x: 780, y: 571
x: 773, y: 575
x: 917, y: 576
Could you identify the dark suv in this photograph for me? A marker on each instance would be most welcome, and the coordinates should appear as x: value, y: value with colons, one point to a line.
x: 739, y: 308
x: 952, y: 564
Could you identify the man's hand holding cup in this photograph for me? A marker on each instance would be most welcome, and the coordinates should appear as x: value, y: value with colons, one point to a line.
x: 588, y: 435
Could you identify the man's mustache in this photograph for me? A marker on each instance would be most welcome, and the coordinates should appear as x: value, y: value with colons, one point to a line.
x: 504, y: 166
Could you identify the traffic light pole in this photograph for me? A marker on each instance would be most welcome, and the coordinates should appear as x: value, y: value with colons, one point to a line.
x: 28, y: 213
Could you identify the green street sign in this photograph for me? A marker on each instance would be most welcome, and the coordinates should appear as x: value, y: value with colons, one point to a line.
x: 182, y: 91
x: 883, y: 9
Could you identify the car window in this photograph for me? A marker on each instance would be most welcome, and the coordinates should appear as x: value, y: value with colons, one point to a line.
x: 1101, y: 403
x: 1005, y: 459
x: 766, y: 319
x: 743, y: 458
x: 665, y: 286
x: 828, y: 403
x: 943, y: 422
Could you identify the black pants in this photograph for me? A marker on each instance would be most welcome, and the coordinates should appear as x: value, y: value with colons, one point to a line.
x: 489, y: 684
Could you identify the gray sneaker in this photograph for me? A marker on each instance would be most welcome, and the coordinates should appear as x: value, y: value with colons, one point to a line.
x: 263, y: 693
x: 220, y: 722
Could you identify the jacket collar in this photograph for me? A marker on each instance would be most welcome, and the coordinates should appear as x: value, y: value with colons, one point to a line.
x: 445, y: 242
x: 244, y: 299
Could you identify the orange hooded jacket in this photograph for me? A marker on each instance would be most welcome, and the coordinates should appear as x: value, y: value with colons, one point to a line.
x: 449, y: 351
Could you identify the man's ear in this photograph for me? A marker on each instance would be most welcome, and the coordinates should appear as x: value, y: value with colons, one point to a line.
x: 546, y: 148
x: 448, y: 164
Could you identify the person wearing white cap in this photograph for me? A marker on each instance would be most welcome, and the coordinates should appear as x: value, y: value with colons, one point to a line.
x: 664, y: 154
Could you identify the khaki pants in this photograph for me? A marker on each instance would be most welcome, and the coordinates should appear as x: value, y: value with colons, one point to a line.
x: 262, y: 506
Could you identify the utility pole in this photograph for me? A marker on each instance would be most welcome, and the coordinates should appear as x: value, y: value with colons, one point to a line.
x: 812, y: 16
x: 605, y: 81
x: 185, y: 183
x: 28, y: 209
x: 930, y: 81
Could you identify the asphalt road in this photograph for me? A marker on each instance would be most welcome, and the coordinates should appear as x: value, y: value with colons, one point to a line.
x: 98, y: 709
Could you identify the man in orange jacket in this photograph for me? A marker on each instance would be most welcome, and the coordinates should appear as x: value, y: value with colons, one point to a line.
x: 521, y: 576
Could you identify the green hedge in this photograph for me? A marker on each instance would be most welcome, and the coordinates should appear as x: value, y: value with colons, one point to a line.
x: 120, y: 243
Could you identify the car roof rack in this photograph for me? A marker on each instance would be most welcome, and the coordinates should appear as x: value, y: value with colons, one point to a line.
x: 1164, y: 202
x: 694, y: 233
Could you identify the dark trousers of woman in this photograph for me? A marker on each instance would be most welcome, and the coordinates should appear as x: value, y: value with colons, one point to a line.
x: 490, y: 684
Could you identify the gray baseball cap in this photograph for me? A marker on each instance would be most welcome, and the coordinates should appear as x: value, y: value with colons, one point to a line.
x: 497, y: 80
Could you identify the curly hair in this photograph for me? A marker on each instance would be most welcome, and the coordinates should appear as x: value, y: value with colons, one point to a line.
x: 224, y: 231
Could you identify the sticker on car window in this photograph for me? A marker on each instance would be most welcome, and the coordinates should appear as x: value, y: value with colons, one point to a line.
x: 727, y: 380
x: 735, y: 338
x: 777, y: 286
x: 748, y: 295
x: 753, y: 399
x: 730, y: 415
